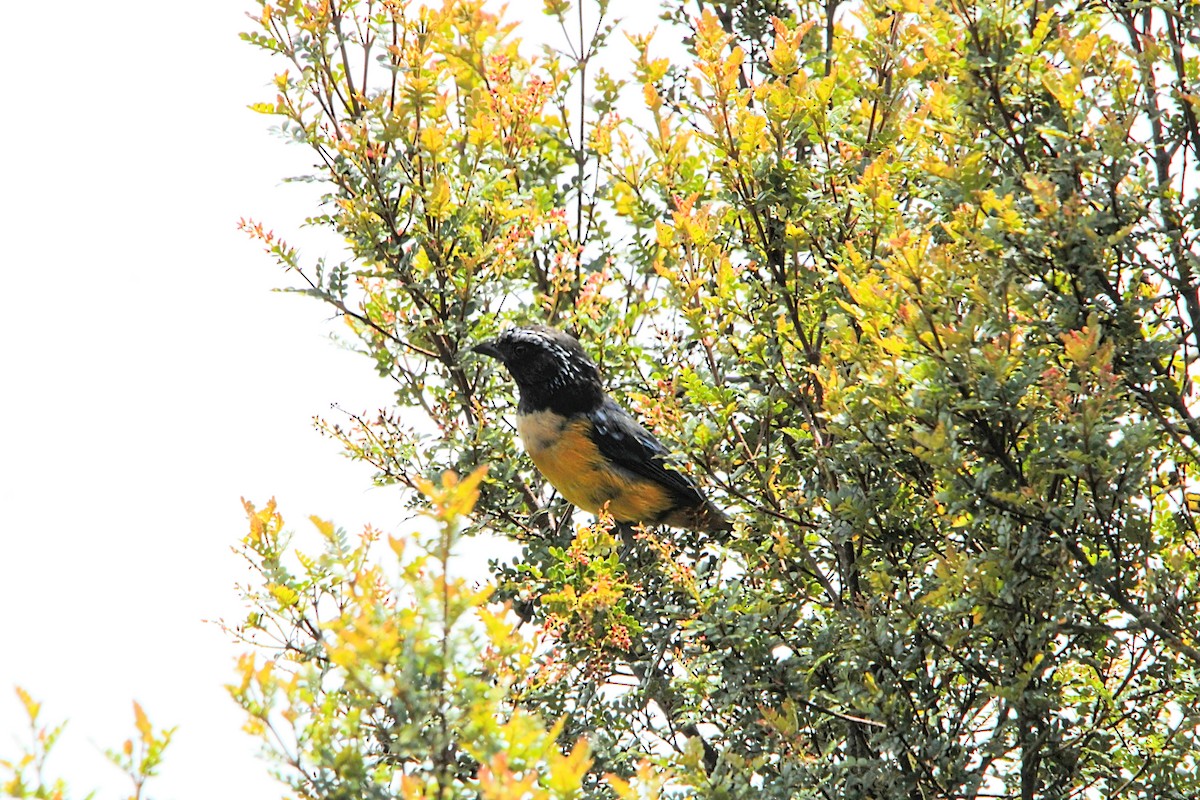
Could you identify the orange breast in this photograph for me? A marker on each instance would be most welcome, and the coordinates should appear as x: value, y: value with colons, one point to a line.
x: 565, y: 454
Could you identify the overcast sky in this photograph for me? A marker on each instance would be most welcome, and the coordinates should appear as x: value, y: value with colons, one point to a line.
x: 151, y: 379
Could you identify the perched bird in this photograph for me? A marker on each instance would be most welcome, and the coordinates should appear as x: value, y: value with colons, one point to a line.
x: 589, y: 448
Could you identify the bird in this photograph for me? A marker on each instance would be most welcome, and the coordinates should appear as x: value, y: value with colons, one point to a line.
x: 587, y: 446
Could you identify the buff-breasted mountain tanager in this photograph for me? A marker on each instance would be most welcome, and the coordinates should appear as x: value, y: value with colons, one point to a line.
x: 590, y: 449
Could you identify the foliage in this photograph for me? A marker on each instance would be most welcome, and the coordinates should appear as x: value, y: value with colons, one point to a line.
x: 391, y: 687
x: 913, y: 285
x: 139, y: 757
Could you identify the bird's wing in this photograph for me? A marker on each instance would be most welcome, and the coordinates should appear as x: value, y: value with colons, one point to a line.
x: 627, y: 444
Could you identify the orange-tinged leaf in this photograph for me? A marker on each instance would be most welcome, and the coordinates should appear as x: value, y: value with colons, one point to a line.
x: 651, y: 98
x: 1080, y: 345
x: 142, y: 722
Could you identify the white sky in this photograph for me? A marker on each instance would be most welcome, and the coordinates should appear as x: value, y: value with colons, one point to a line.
x: 150, y: 378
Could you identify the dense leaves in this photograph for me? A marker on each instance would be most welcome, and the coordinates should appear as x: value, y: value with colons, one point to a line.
x: 913, y: 287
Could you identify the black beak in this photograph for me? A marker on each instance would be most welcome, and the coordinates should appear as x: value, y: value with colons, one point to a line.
x: 488, y: 348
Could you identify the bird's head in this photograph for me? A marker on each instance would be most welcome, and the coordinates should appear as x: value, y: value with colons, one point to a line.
x: 550, y: 368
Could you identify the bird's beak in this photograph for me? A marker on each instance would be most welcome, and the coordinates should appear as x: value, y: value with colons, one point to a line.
x: 488, y: 348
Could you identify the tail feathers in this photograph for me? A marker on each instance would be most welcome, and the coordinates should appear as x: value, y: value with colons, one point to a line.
x: 706, y: 518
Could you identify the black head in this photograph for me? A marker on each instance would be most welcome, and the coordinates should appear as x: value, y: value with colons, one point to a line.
x: 550, y: 368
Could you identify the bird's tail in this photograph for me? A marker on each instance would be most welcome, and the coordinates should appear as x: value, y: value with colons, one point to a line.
x: 706, y: 518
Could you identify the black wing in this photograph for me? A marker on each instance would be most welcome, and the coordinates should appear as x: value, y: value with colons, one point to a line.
x: 627, y: 444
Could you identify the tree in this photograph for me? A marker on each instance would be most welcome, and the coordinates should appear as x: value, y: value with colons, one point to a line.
x: 387, y: 687
x: 913, y: 286
x: 28, y: 775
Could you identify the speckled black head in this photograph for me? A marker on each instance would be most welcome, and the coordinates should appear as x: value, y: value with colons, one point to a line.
x: 551, y: 369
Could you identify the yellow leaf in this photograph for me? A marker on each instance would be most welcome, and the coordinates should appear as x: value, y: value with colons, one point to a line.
x: 141, y: 722
x: 397, y: 545
x: 621, y: 786
x: 324, y: 526
x: 32, y: 708
x: 437, y: 201
x: 432, y: 139
x: 663, y: 233
x: 567, y: 772
x: 284, y: 595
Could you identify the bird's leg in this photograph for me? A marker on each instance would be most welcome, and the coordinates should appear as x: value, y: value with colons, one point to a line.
x: 627, y: 533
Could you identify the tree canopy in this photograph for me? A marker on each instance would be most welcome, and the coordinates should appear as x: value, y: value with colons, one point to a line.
x: 912, y: 285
